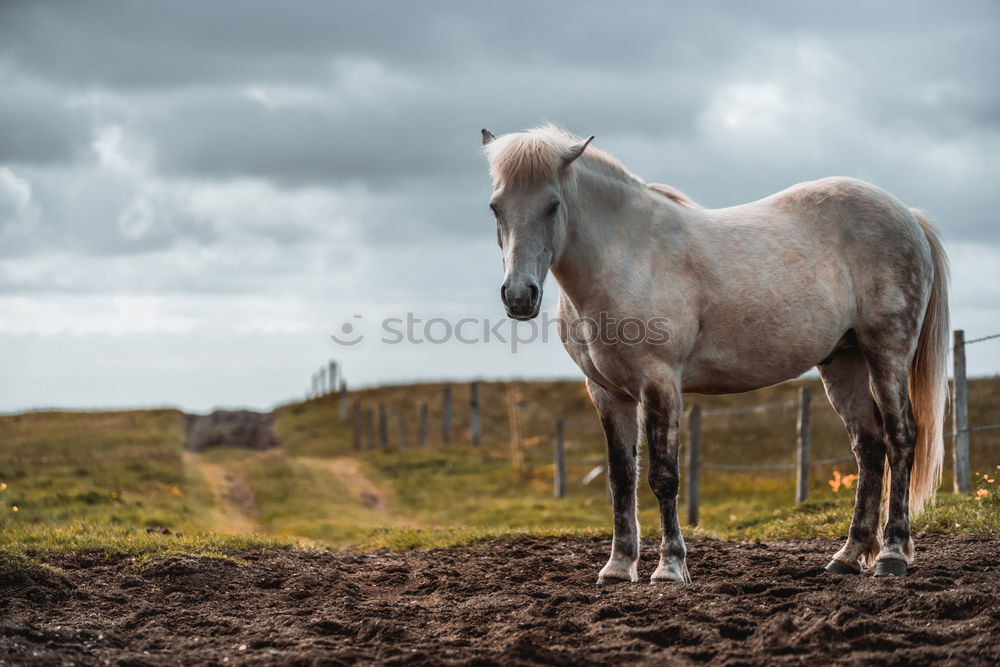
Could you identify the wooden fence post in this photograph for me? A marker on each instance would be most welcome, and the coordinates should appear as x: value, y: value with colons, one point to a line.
x: 356, y: 426
x: 383, y: 425
x: 425, y: 427
x: 446, y: 414
x: 515, y: 428
x: 802, y: 455
x: 960, y: 416
x: 560, y: 480
x: 331, y: 376
x: 343, y: 400
x: 474, y: 424
x: 404, y: 437
x: 693, y: 463
x: 370, y: 428
x: 322, y: 381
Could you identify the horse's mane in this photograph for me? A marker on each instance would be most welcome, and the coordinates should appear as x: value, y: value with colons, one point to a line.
x: 535, y: 155
x: 670, y: 192
x: 526, y: 157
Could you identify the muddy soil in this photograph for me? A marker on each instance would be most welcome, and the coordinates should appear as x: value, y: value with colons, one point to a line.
x: 522, y: 601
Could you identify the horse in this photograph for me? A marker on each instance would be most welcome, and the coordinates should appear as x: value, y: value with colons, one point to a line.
x: 835, y: 274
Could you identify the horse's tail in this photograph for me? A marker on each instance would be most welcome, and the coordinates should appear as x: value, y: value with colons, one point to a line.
x: 929, y: 378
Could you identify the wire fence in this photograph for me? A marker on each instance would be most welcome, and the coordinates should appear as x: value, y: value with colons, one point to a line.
x: 763, y: 407
x: 982, y: 339
x: 973, y: 429
x: 524, y: 423
x: 776, y: 466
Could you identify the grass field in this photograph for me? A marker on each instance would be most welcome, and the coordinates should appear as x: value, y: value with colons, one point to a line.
x: 122, y: 481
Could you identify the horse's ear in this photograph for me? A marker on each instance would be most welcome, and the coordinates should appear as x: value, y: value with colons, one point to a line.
x: 577, y: 150
x: 487, y: 137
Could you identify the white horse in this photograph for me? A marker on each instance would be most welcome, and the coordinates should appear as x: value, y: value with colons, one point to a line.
x: 835, y: 273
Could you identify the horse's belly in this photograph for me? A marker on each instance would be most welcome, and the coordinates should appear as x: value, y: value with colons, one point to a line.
x: 727, y: 371
x: 719, y: 381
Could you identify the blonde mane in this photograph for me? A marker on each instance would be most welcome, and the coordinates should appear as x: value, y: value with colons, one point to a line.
x: 523, y: 158
x: 535, y: 155
x: 672, y: 193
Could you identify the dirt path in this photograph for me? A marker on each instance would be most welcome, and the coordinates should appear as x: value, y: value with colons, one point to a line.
x: 349, y: 472
x: 522, y: 601
x: 233, y: 498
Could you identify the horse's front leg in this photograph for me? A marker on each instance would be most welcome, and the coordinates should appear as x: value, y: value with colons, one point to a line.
x: 662, y: 405
x: 619, y: 418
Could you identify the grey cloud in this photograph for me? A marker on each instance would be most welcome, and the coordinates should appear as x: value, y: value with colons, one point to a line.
x: 81, y: 209
x: 121, y: 43
x: 36, y: 124
x: 385, y: 102
x: 647, y: 70
x: 227, y: 135
x: 251, y: 268
x: 167, y: 44
x: 429, y: 132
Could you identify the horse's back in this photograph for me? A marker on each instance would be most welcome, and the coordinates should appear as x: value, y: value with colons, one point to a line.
x: 860, y: 211
x: 793, y: 271
x: 852, y: 225
x: 876, y: 235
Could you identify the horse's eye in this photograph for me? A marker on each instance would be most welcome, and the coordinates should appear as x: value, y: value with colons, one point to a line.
x: 552, y: 209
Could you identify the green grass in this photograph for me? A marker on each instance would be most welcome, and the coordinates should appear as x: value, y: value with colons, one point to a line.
x: 466, y: 496
x: 300, y: 500
x: 112, y: 541
x: 118, y: 469
x: 104, y: 482
x: 120, y: 482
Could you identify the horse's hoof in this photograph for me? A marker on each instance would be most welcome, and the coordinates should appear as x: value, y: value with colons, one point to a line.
x: 665, y: 575
x: 890, y: 567
x: 840, y: 567
x: 618, y: 571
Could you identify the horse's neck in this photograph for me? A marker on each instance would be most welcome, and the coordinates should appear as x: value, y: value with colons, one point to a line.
x: 613, y: 220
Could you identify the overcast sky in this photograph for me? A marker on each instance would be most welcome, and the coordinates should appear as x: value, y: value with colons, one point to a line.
x: 194, y: 195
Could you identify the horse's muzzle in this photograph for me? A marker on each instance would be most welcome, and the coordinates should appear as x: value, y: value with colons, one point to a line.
x: 521, y: 299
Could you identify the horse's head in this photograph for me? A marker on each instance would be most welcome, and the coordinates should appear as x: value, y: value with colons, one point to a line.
x: 528, y: 201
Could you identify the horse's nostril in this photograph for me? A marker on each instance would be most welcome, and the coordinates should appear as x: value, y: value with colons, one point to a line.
x: 534, y: 294
x: 503, y: 293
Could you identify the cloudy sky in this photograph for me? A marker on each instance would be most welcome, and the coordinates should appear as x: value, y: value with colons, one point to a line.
x: 194, y: 195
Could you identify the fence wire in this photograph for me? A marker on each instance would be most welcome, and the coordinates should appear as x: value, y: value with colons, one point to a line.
x: 763, y: 407
x: 530, y: 413
x: 972, y: 429
x: 982, y: 338
x: 775, y: 466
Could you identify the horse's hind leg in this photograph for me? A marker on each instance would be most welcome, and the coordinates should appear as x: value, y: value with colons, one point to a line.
x: 619, y: 418
x: 890, y: 374
x: 846, y: 380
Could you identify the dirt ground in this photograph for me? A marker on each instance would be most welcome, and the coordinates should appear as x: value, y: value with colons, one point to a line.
x: 522, y: 601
